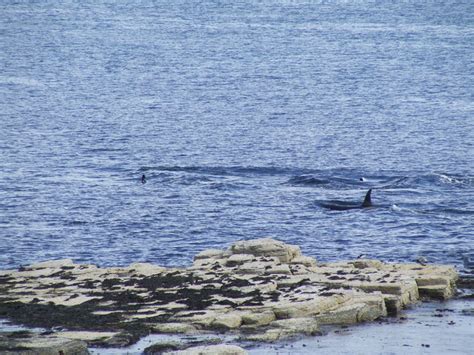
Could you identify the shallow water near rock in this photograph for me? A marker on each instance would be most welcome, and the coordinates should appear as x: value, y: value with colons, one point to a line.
x: 242, y: 116
x: 421, y: 330
x: 418, y: 327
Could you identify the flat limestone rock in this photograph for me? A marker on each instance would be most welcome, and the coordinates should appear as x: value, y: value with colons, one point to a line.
x: 266, y: 247
x: 258, y: 319
x: 86, y: 335
x: 304, y: 260
x: 26, y: 343
x: 227, y: 321
x: 269, y: 335
x: 260, y: 290
x: 174, y: 328
x: 239, y: 259
x: 304, y: 325
x: 210, y: 253
x: 51, y: 264
x: 199, y: 318
x: 146, y: 269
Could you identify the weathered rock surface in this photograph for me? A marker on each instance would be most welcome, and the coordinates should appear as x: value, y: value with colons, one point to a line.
x: 263, y: 288
x: 26, y: 343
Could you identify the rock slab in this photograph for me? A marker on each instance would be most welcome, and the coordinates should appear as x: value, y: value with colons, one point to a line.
x: 262, y: 289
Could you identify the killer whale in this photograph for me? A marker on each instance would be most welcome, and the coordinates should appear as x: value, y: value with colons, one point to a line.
x: 346, y: 205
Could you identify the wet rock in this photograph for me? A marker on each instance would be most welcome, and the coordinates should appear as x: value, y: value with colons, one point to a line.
x: 88, y: 336
x: 371, y: 311
x: 164, y: 347
x: 260, y: 289
x: 104, y: 339
x: 26, y: 343
x: 305, y: 325
x: 436, y: 292
x: 392, y: 304
x: 269, y: 335
x: 174, y: 328
x: 343, y: 315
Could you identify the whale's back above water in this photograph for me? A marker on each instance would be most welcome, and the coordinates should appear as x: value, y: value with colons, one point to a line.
x: 345, y: 205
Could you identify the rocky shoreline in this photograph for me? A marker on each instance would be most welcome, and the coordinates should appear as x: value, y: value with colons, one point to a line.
x: 258, y: 290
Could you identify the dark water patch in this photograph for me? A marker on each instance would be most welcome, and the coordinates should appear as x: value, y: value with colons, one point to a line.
x: 227, y: 186
x: 102, y: 150
x: 308, y: 180
x: 75, y: 223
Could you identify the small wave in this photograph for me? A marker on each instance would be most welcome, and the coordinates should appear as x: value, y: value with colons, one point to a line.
x: 101, y: 150
x: 307, y: 180
x: 222, y: 170
x: 431, y: 179
x: 75, y: 223
x: 225, y: 186
x: 456, y: 180
x: 457, y: 211
x: 395, y: 208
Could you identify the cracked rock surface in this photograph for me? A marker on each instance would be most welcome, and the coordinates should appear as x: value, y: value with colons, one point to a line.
x: 260, y: 290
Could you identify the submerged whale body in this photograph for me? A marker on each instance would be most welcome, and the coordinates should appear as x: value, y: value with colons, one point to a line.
x: 346, y: 205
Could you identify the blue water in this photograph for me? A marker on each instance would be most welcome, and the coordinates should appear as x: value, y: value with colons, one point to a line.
x: 243, y: 115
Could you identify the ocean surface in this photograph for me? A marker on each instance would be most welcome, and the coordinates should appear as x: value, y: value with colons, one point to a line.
x: 244, y: 116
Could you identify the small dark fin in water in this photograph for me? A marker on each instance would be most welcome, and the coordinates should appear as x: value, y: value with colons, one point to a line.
x: 367, y: 201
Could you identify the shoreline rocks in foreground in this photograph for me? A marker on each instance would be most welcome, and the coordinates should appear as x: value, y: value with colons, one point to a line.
x: 258, y: 290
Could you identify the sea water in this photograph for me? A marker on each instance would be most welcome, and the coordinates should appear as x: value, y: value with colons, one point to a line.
x: 243, y: 115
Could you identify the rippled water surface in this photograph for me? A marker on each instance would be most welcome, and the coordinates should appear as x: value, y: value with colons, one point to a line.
x: 244, y: 116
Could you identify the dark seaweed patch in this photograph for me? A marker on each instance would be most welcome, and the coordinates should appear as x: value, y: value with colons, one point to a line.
x: 109, y: 283
x: 54, y: 285
x: 67, y: 267
x: 88, y: 284
x: 237, y: 283
x: 169, y: 280
x: 50, y: 315
x: 6, y: 279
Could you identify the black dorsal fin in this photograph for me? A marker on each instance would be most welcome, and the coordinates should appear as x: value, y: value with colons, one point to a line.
x: 367, y: 201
